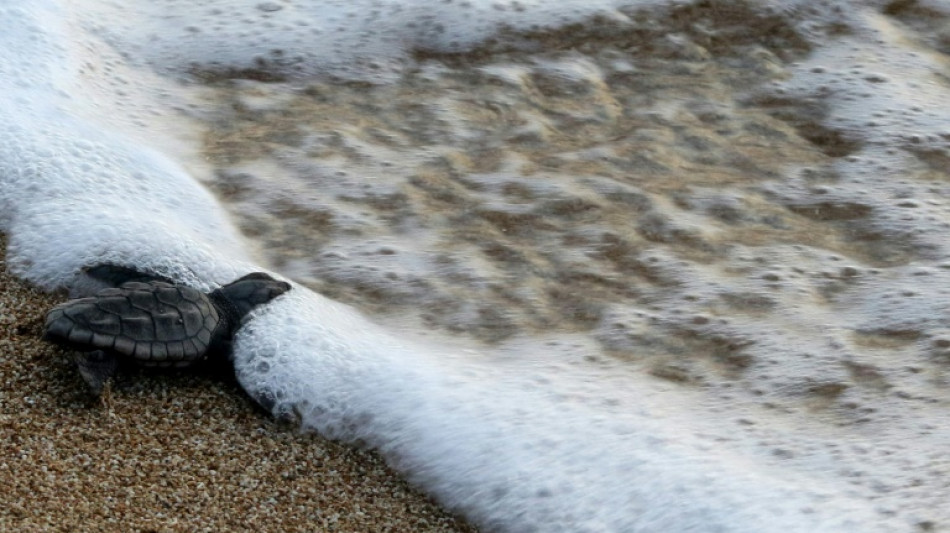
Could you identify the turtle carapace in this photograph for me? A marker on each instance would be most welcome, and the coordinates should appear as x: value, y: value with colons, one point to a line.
x: 153, y: 321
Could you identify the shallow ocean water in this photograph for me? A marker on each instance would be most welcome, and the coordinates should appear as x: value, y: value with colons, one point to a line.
x: 676, y: 266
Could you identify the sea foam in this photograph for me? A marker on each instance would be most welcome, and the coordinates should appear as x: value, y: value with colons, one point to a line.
x: 350, y: 39
x: 525, y: 445
x: 520, y: 446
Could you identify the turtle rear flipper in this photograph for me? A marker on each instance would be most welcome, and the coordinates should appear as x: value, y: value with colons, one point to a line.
x: 96, y: 368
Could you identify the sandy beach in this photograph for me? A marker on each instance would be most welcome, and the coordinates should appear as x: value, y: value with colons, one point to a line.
x: 173, y: 452
x: 675, y: 267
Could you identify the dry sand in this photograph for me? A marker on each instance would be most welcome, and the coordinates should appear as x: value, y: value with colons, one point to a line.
x: 173, y: 452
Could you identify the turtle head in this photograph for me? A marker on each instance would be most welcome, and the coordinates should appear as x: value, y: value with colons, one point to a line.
x: 244, y: 294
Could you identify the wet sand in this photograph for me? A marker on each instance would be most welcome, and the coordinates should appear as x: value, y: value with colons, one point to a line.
x: 174, y: 452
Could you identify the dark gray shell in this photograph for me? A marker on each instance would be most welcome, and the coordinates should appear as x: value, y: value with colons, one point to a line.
x: 155, y: 323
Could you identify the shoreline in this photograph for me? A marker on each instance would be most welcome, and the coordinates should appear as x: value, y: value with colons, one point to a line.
x: 171, y: 452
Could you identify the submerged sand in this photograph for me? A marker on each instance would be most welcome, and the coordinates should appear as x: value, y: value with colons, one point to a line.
x: 676, y: 190
x: 175, y: 452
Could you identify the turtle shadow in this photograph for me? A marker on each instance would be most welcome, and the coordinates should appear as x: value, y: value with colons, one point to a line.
x: 132, y: 381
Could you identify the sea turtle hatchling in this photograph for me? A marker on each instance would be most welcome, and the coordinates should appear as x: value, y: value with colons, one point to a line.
x: 152, y: 321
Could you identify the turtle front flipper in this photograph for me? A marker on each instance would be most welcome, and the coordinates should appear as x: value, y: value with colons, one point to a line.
x: 93, y: 279
x: 96, y: 368
x: 115, y: 275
